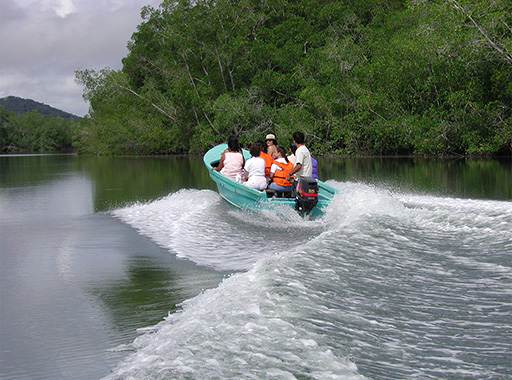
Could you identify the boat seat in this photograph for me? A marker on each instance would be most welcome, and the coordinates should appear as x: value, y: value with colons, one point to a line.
x: 270, y: 193
x: 278, y: 194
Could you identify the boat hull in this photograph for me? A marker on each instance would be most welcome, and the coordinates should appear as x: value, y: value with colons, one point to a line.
x: 247, y: 198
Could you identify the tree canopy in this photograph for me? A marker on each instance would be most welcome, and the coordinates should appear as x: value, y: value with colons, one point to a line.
x: 20, y: 106
x: 34, y: 132
x: 357, y: 77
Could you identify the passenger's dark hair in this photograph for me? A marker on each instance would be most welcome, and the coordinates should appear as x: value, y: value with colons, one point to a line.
x: 233, y: 144
x: 260, y: 145
x: 293, y: 148
x: 255, y: 150
x: 298, y: 137
x: 280, y: 149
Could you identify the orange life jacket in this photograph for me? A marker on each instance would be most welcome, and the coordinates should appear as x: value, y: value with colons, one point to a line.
x: 268, y: 161
x: 280, y: 175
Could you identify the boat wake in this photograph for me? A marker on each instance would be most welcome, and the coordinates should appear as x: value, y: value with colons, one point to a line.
x: 384, y: 285
x: 197, y: 225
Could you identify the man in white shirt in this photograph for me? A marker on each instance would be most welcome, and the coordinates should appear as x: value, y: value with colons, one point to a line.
x: 303, y: 166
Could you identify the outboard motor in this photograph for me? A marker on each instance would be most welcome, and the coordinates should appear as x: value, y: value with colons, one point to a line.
x: 306, y: 195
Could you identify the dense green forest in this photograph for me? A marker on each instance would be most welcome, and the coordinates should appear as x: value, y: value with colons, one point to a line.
x: 34, y: 132
x: 357, y: 77
x: 20, y: 106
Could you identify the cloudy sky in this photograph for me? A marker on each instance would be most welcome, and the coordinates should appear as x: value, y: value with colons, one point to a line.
x: 43, y: 42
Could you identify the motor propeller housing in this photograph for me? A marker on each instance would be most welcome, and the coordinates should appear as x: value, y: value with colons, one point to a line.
x: 306, y: 195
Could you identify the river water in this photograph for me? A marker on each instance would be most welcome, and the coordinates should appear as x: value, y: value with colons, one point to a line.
x: 134, y: 268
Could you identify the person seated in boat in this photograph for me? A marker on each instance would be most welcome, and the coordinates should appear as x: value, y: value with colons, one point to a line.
x: 291, y: 158
x: 291, y: 153
x: 302, y: 166
x: 231, y: 160
x: 278, y: 172
x: 314, y: 163
x: 267, y: 158
x: 271, y: 142
x: 255, y: 169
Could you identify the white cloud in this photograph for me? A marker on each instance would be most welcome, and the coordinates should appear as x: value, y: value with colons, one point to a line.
x: 42, y: 43
x: 64, y: 8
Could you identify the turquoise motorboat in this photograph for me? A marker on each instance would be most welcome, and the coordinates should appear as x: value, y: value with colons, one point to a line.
x: 310, y: 198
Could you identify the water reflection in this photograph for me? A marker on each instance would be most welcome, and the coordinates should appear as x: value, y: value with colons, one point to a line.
x: 462, y: 178
x: 123, y: 180
x: 25, y: 170
x: 149, y: 290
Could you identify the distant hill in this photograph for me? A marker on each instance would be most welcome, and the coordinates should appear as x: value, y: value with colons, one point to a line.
x: 19, y: 106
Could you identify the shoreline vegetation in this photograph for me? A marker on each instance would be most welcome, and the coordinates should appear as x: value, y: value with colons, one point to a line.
x: 374, y: 78
x: 30, y: 131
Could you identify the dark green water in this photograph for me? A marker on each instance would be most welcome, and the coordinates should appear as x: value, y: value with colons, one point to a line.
x: 478, y: 179
x: 77, y: 283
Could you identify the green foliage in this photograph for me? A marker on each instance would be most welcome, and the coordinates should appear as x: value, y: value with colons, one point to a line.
x: 20, y: 106
x: 358, y: 77
x: 33, y: 132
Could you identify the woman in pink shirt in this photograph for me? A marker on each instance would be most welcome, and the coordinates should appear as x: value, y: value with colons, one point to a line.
x: 232, y: 160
